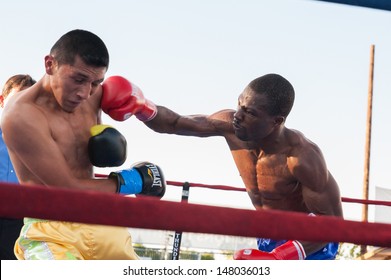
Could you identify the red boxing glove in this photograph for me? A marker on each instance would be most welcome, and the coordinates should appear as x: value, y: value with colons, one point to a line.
x: 291, y: 250
x: 121, y: 99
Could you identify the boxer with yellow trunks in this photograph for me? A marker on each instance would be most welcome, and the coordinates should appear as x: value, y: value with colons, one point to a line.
x: 57, y: 240
x: 47, y: 133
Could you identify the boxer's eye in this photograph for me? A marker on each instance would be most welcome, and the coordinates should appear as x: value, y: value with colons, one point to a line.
x: 79, y: 81
x: 249, y: 112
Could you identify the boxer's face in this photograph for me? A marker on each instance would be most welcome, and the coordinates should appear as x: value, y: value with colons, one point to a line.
x: 72, y: 84
x: 251, y: 120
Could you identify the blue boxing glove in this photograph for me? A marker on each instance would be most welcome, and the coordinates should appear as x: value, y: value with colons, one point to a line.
x: 143, y: 178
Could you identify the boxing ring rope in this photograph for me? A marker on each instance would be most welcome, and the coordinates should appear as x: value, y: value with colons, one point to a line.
x: 229, y: 188
x: 113, y: 209
x: 215, y: 187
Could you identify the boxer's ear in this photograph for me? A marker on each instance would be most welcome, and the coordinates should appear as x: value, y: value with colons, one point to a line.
x: 279, y: 120
x: 50, y: 64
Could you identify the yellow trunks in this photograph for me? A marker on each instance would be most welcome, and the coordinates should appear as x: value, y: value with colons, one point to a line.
x: 47, y: 240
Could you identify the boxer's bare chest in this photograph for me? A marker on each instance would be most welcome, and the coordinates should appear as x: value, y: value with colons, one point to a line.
x: 71, y: 132
x: 265, y: 176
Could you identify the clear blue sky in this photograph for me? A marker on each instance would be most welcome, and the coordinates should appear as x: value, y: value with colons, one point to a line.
x: 197, y: 57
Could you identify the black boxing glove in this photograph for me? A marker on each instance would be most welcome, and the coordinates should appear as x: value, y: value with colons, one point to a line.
x: 143, y: 178
x: 106, y: 146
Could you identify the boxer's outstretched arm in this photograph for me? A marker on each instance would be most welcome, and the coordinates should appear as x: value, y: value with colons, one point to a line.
x: 168, y: 121
x: 121, y: 99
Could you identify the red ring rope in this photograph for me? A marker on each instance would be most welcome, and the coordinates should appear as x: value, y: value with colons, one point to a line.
x: 229, y: 188
x: 150, y: 213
